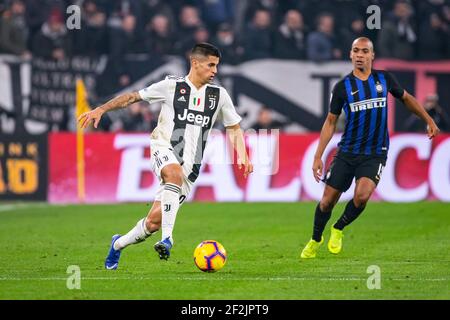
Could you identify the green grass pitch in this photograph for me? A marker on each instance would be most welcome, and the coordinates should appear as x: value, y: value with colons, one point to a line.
x: 408, y: 242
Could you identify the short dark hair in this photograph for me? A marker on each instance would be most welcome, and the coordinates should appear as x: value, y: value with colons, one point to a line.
x: 205, y: 49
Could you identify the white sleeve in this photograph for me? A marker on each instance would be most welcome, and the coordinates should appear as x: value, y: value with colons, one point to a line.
x: 227, y: 111
x: 156, y: 92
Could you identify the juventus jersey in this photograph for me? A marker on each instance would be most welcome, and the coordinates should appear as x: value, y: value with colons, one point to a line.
x: 365, y: 106
x: 187, y: 116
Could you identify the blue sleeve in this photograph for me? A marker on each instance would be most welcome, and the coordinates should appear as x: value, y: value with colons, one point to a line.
x: 393, y: 86
x: 337, y: 100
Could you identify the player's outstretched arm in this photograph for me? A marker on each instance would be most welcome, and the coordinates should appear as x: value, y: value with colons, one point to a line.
x: 328, y: 129
x: 95, y: 115
x: 414, y: 106
x: 236, y: 137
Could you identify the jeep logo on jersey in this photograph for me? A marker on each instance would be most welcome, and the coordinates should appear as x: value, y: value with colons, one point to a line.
x: 196, y: 119
x: 368, y: 104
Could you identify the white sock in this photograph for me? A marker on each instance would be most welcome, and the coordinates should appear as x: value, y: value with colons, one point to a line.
x: 170, y: 203
x: 138, y: 234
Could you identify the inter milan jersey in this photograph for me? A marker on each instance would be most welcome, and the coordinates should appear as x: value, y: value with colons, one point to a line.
x: 187, y: 116
x: 365, y: 106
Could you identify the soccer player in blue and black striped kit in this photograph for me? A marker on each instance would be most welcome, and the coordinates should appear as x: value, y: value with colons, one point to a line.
x: 362, y: 151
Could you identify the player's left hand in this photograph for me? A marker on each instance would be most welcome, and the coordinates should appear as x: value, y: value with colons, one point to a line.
x: 248, y: 167
x: 432, y: 130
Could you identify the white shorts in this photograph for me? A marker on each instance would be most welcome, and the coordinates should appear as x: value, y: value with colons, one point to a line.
x: 162, y: 156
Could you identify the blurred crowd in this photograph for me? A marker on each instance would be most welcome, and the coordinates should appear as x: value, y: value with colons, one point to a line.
x: 314, y: 30
x: 317, y: 30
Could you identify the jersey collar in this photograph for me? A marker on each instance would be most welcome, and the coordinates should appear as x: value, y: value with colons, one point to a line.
x: 193, y: 87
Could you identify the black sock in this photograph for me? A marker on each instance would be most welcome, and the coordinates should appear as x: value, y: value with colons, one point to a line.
x: 350, y: 214
x: 320, y: 221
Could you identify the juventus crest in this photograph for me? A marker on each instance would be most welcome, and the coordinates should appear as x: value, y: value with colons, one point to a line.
x: 212, y: 101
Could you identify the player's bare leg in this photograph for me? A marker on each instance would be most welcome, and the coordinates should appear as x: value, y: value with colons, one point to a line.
x: 153, y: 221
x: 322, y: 215
x: 172, y: 176
x: 141, y: 231
x: 364, y: 189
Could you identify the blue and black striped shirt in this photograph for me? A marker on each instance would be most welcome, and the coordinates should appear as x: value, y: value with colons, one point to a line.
x: 365, y: 106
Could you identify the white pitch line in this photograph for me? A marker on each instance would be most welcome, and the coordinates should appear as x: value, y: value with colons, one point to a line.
x: 11, y: 207
x: 20, y: 206
x: 221, y: 279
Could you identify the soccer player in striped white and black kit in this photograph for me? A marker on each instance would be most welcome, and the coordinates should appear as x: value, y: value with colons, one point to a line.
x: 363, y: 149
x: 190, y: 106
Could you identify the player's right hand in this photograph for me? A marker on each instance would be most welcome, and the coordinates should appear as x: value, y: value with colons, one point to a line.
x: 247, y: 165
x: 317, y: 169
x: 95, y: 115
x: 432, y: 130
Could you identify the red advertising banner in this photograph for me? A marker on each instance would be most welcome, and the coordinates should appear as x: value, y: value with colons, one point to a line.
x: 118, y: 169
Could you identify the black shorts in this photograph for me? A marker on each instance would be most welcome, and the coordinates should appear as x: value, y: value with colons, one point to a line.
x: 346, y: 166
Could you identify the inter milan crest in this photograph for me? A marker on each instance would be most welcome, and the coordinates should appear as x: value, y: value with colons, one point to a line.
x: 212, y: 101
x: 379, y: 87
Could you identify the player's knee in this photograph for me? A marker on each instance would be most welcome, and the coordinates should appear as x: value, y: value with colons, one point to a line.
x: 326, y: 205
x: 360, y: 199
x: 173, y: 175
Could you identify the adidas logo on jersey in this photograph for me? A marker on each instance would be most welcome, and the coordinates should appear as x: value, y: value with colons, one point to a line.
x: 197, y: 119
x: 182, y: 99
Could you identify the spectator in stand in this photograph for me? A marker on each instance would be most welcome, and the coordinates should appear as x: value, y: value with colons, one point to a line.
x: 127, y: 40
x: 438, y: 113
x: 266, y: 120
x: 446, y: 19
x: 342, y: 10
x: 200, y: 34
x: 290, y: 39
x: 91, y: 39
x: 228, y: 45
x: 216, y: 12
x: 426, y: 7
x: 433, y: 39
x: 53, y: 41
x: 258, y: 39
x: 251, y: 6
x: 397, y: 36
x: 189, y: 21
x: 36, y: 14
x: 321, y: 44
x: 14, y: 31
x: 152, y: 8
x: 159, y: 36
x: 138, y: 118
x: 347, y: 35
x: 446, y: 13
x: 118, y: 9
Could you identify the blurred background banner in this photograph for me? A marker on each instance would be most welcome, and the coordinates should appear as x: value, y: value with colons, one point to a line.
x: 417, y: 169
x: 280, y: 61
x: 296, y: 92
x: 52, y: 83
x: 23, y: 167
